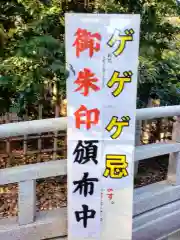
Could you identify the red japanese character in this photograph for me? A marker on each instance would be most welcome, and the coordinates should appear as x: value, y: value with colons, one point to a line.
x: 85, y: 40
x: 110, y: 195
x: 86, y: 80
x: 110, y: 190
x: 88, y: 114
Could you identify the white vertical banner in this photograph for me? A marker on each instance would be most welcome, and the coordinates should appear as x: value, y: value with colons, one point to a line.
x: 118, y: 121
x: 102, y: 57
x: 84, y: 93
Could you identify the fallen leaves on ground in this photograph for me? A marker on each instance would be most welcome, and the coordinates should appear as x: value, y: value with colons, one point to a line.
x: 52, y: 192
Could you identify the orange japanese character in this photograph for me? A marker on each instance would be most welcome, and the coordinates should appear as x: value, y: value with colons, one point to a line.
x: 88, y: 114
x: 86, y: 40
x: 86, y: 80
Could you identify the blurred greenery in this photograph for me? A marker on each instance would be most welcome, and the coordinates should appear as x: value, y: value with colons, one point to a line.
x: 32, y: 53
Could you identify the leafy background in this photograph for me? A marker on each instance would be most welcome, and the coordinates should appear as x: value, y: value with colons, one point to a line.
x: 32, y: 48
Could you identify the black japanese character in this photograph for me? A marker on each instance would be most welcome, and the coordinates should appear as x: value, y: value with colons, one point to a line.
x: 85, y: 185
x: 86, y: 151
x: 84, y: 215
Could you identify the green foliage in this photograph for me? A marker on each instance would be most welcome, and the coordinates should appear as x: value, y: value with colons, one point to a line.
x: 159, y: 68
x: 32, y: 48
x: 33, y: 56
